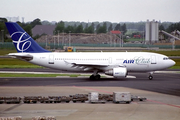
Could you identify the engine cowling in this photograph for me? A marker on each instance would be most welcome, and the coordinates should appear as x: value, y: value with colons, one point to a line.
x: 117, y: 72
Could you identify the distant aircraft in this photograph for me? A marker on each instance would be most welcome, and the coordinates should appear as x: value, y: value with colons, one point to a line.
x: 116, y: 64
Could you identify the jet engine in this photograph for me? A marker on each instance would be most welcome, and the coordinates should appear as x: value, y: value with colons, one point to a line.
x: 117, y: 72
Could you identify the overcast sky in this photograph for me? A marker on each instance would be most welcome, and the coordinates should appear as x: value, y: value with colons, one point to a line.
x: 92, y: 10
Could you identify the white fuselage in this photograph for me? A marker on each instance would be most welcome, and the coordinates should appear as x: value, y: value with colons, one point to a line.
x: 116, y: 64
x: 102, y: 61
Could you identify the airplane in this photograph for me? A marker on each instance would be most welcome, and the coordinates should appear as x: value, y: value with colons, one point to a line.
x: 116, y: 64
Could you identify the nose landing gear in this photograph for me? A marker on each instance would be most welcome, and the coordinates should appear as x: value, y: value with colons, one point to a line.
x: 150, y: 75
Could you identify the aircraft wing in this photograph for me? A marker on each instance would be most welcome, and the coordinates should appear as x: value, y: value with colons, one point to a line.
x: 89, y: 66
x: 23, y: 56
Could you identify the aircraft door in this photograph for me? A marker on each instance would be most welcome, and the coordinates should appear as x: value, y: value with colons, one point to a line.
x: 51, y: 59
x: 110, y: 60
x: 153, y: 59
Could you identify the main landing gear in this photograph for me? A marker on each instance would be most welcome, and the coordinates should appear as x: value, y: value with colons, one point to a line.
x: 95, y: 76
x: 150, y: 75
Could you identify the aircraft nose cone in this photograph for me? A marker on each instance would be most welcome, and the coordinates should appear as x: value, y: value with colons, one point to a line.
x: 173, y: 62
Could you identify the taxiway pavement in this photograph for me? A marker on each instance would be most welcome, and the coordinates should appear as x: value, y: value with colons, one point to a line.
x: 163, y: 94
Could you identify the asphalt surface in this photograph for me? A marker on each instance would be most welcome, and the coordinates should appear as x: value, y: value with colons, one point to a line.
x: 51, y: 70
x: 167, y: 83
x: 158, y: 106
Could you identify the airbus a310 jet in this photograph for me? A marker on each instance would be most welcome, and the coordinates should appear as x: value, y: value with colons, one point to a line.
x: 116, y: 64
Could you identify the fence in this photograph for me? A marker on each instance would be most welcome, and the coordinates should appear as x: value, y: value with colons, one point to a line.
x: 9, y: 45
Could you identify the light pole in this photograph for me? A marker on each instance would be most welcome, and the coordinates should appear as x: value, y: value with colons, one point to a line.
x: 54, y: 39
x: 2, y: 36
x: 173, y: 42
x: 63, y: 39
x: 58, y: 37
x: 54, y: 42
x: 122, y: 39
x: 69, y: 39
x: 143, y: 37
x: 114, y: 40
x: 110, y: 43
x: 46, y: 41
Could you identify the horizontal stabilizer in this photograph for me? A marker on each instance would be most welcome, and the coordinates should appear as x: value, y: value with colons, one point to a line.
x: 22, y: 56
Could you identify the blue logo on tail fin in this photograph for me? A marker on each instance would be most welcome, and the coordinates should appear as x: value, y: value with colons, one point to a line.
x: 22, y: 41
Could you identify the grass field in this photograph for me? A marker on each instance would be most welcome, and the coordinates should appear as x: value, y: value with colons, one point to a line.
x: 5, y: 52
x: 15, y: 63
x: 35, y: 75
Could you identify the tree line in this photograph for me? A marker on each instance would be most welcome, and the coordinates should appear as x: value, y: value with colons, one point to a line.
x: 86, y: 28
x: 26, y: 26
x: 172, y: 27
x: 83, y: 27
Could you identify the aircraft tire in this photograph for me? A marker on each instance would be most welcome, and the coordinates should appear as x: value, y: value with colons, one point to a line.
x: 97, y: 77
x: 150, y: 77
x: 92, y: 77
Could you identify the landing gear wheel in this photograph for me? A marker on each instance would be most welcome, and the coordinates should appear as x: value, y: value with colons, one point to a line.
x: 92, y: 77
x: 150, y: 77
x: 96, y: 77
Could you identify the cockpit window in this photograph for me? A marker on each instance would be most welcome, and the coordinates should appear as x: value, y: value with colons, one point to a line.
x: 165, y: 58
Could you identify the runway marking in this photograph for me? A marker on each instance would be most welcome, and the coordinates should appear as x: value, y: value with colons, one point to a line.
x: 13, y: 107
x: 153, y: 101
x: 163, y: 103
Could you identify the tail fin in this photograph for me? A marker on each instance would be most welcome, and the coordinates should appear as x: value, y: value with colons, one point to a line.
x: 22, y: 41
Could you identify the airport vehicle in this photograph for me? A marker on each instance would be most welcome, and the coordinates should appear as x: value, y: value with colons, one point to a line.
x: 31, y: 99
x: 107, y: 97
x: 120, y: 97
x: 93, y: 97
x: 69, y: 49
x: 12, y: 100
x: 65, y: 99
x: 79, y: 97
x: 116, y: 64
